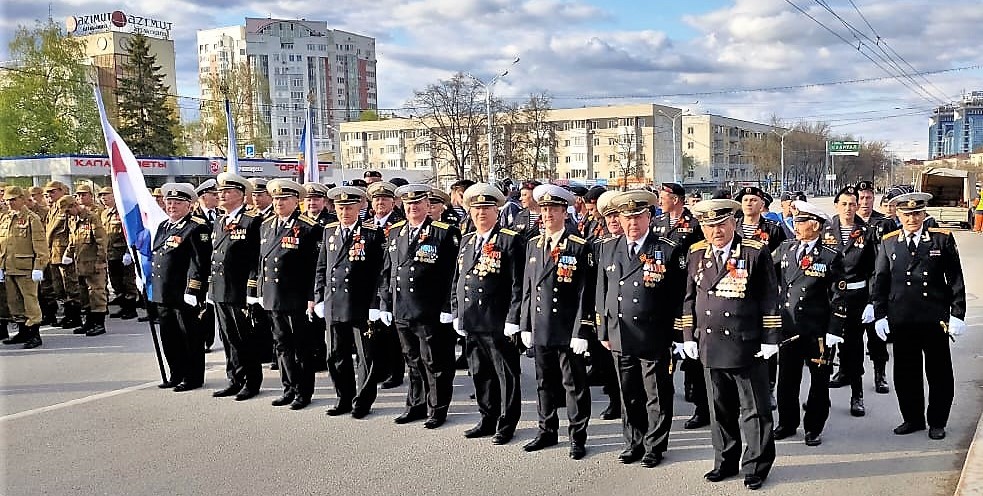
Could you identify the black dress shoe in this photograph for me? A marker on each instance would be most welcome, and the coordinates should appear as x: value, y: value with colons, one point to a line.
x: 283, y: 400
x: 341, y: 408
x: 299, y: 402
x: 501, y: 438
x: 908, y: 428
x: 717, y: 474
x: 577, y: 451
x: 936, y: 433
x: 838, y: 380
x: 651, y: 460
x: 32, y: 342
x: 753, y: 482
x: 857, y: 406
x: 478, y: 431
x: 696, y: 421
x: 229, y: 390
x: 612, y: 412
x: 359, y: 412
x: 169, y: 384
x: 813, y: 439
x: 434, y: 422
x: 542, y: 440
x: 96, y: 330
x: 246, y: 393
x: 631, y: 455
x: 184, y: 386
x: 391, y: 383
x: 410, y: 416
x: 783, y: 432
x: 274, y: 366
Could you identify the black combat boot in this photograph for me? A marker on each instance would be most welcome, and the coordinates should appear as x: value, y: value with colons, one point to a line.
x: 4, y: 334
x: 857, y: 398
x: 84, y: 328
x: 127, y: 310
x: 880, y: 381
x: 98, y: 324
x: 20, y: 337
x: 34, y: 337
x: 72, y: 317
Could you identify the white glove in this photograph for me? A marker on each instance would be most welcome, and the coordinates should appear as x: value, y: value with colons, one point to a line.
x: 66, y: 260
x: 832, y: 340
x: 127, y: 259
x: 373, y: 314
x: 2, y: 276
x: 956, y: 326
x: 691, y: 349
x: 868, y: 315
x: 678, y: 349
x: 37, y: 275
x: 526, y: 339
x: 511, y: 329
x: 319, y: 309
x: 458, y: 330
x: 386, y: 318
x: 578, y: 345
x: 446, y: 318
x: 253, y: 300
x: 190, y: 299
x: 767, y: 351
x: 882, y: 329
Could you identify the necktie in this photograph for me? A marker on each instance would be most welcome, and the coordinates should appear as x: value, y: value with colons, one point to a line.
x: 211, y: 216
x: 721, y: 258
x: 478, y: 245
x: 911, y: 243
x: 633, y: 248
x: 345, y: 233
x: 549, y: 250
x: 801, y: 252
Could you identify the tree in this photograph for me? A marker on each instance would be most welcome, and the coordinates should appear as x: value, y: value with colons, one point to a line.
x: 629, y: 152
x: 47, y: 104
x: 368, y: 115
x: 528, y: 140
x: 147, y: 118
x: 453, y: 112
x: 247, y: 93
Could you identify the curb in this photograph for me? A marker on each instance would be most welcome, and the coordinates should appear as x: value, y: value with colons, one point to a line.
x: 971, y: 478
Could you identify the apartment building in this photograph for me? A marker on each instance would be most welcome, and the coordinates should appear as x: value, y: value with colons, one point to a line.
x: 714, y: 146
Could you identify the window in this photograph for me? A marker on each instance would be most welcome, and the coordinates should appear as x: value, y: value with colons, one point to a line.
x: 689, y: 146
x: 567, y: 160
x: 689, y: 130
x: 597, y: 158
x: 566, y: 143
x: 596, y: 142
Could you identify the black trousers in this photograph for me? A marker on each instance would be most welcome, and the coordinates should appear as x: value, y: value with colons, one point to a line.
x: 740, y: 407
x: 294, y: 345
x: 428, y: 350
x: 353, y: 383
x: 494, y: 365
x: 790, y: 362
x: 693, y: 376
x: 207, y: 318
x: 646, y: 396
x: 557, y: 365
x: 181, y: 340
x: 242, y: 365
x: 390, y: 352
x: 262, y: 323
x: 320, y: 354
x: 603, y: 371
x: 876, y: 348
x: 921, y: 351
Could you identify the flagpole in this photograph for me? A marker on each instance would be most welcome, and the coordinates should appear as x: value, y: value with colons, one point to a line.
x: 151, y: 314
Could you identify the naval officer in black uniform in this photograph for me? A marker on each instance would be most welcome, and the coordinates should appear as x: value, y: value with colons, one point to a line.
x: 384, y: 214
x: 285, y: 286
x: 557, y: 318
x: 638, y: 275
x: 181, y: 253
x: 347, y: 278
x: 731, y: 310
x: 485, y: 300
x: 416, y: 280
x: 919, y: 297
x: 235, y: 250
x: 813, y: 311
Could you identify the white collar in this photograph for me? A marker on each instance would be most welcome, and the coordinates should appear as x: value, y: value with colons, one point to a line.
x: 641, y: 241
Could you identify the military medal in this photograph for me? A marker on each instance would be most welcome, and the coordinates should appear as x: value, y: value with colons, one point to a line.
x: 357, y: 250
x: 859, y: 243
x: 290, y: 242
x: 565, y: 267
x: 490, y: 260
x: 426, y: 254
x: 653, y: 268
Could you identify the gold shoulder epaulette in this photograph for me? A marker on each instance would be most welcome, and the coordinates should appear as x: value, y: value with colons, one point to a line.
x: 668, y: 241
x: 699, y: 245
x: 752, y: 243
x: 441, y: 225
x: 270, y: 219
x: 333, y: 224
x: 941, y: 231
x: 398, y: 224
x: 508, y: 231
x: 198, y: 220
x: 578, y: 239
x: 369, y: 225
x: 250, y: 213
x: 307, y: 220
x: 606, y: 239
x: 535, y: 238
x: 890, y: 234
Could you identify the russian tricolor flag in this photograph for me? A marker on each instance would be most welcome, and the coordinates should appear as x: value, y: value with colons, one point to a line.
x: 232, y: 157
x: 138, y: 209
x: 310, y: 167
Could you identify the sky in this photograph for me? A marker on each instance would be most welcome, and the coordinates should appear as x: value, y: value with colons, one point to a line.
x: 799, y: 60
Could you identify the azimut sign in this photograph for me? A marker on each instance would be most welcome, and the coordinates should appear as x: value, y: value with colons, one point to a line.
x: 118, y: 21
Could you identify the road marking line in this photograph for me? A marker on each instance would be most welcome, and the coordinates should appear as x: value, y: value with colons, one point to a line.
x: 35, y: 350
x: 78, y: 401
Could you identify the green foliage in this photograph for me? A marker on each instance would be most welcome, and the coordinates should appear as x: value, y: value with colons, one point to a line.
x: 147, y: 118
x: 247, y: 94
x: 47, y: 105
x: 368, y: 115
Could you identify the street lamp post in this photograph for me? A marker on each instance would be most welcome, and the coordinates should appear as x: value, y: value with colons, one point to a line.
x: 341, y: 161
x: 488, y: 116
x: 675, y: 149
x: 781, y: 182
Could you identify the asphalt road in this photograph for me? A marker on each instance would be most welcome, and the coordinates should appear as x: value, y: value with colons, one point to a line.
x: 83, y: 416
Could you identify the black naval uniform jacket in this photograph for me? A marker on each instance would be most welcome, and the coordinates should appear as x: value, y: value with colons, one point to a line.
x: 592, y: 227
x: 859, y: 255
x: 348, y: 271
x: 557, y: 292
x: 812, y: 302
x: 417, y: 273
x: 235, y: 250
x: 324, y: 217
x: 731, y: 312
x: 525, y: 225
x: 487, y: 289
x: 637, y: 297
x: 770, y: 233
x: 685, y: 232
x: 287, y: 254
x: 923, y: 289
x: 181, y: 254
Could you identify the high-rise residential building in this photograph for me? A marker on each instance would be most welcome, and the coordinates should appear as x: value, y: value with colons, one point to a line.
x: 106, y: 38
x: 957, y: 127
x: 300, y: 62
x: 714, y: 146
